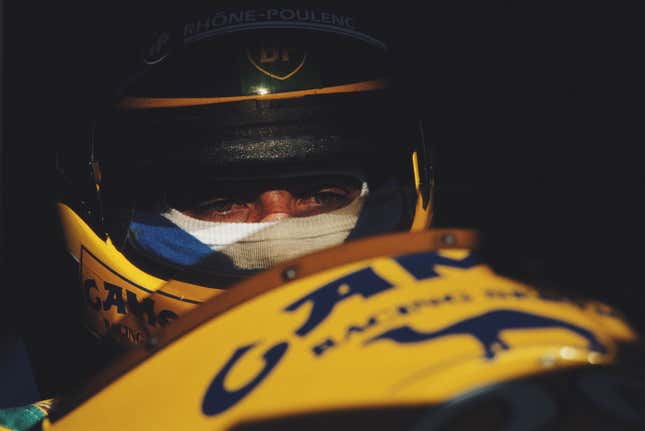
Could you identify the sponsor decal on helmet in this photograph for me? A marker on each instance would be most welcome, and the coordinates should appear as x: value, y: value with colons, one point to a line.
x: 276, y: 60
x: 109, y: 297
x: 158, y: 49
x: 229, y: 21
x: 277, y: 65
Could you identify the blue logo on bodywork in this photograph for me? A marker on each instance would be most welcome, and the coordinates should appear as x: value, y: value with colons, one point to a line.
x: 486, y: 329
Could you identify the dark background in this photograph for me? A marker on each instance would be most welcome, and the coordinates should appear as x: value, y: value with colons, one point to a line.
x: 529, y: 106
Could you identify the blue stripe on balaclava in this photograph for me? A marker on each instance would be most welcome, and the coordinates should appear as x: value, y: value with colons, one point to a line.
x: 158, y: 236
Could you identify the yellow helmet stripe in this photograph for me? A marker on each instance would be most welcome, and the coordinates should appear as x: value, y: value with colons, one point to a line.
x: 172, y: 102
x: 422, y: 216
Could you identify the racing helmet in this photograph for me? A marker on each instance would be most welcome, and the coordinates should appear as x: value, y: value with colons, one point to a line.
x: 241, y: 95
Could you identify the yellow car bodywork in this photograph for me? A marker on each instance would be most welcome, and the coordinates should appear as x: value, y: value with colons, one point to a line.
x: 399, y: 320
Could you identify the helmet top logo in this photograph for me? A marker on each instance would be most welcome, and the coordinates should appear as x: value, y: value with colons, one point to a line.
x: 276, y: 60
x: 158, y: 49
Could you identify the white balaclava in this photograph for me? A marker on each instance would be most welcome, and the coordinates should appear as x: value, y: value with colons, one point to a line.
x: 253, y: 246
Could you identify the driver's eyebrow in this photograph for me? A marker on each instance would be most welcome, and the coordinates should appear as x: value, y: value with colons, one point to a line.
x: 249, y: 188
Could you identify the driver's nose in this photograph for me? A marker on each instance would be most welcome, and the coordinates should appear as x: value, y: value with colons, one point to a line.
x: 275, y: 205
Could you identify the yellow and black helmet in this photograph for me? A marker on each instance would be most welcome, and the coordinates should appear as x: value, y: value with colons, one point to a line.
x: 244, y: 93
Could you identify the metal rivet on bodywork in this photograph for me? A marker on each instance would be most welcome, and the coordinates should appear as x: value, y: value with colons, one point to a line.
x: 289, y: 274
x: 448, y: 239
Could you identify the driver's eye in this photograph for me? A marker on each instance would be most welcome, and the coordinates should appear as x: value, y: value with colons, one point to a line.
x: 324, y: 199
x: 217, y: 205
x: 220, y: 210
x: 330, y: 198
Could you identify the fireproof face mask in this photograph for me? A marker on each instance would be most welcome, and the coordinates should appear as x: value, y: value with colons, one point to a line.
x: 254, y: 246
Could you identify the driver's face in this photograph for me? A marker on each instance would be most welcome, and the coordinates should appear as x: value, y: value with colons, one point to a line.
x: 246, y: 202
